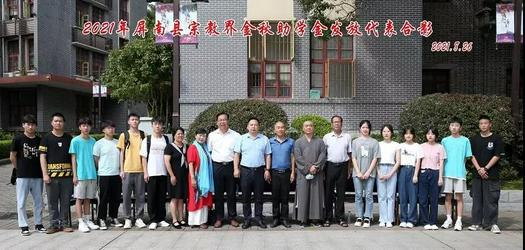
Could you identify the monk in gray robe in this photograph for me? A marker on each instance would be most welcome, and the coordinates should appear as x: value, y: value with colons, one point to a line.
x: 310, y: 156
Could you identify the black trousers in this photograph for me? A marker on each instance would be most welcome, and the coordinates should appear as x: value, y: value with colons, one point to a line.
x: 157, y: 186
x: 485, y: 197
x: 224, y: 182
x: 336, y: 174
x: 110, y: 188
x: 280, y: 192
x: 252, y: 180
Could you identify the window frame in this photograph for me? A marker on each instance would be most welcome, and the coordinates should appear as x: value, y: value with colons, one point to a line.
x: 325, y: 61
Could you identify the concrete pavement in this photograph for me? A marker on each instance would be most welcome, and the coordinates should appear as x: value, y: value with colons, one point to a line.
x: 334, y: 237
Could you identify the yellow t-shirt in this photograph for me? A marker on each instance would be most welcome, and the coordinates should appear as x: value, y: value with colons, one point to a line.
x: 132, y: 160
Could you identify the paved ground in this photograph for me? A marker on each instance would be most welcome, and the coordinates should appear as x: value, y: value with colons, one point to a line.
x: 335, y: 237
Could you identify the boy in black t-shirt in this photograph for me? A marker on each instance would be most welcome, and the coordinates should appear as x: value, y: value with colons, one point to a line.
x: 487, y: 149
x: 24, y: 157
x: 57, y: 173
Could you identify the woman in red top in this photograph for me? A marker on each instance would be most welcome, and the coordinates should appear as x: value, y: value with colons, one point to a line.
x: 200, y: 181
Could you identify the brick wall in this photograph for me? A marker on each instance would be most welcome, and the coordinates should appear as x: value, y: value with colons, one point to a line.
x: 388, y: 69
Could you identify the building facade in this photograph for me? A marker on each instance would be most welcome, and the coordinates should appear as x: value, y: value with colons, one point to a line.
x: 47, y: 64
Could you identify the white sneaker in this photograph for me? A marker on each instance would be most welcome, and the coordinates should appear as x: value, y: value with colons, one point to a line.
x: 458, y: 226
x: 382, y: 224
x: 410, y: 225
x: 164, y: 224
x: 403, y: 224
x: 447, y: 224
x: 102, y: 225
x: 139, y: 223
x: 127, y: 224
x: 152, y: 226
x: 427, y: 227
x: 116, y: 223
x: 474, y: 228
x: 389, y: 225
x: 82, y: 226
x: 358, y: 222
x: 435, y: 227
x: 92, y: 225
x: 366, y: 223
x: 495, y: 229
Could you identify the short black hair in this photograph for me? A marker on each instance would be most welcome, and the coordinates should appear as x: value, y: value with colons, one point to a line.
x: 408, y: 130
x: 389, y: 127
x: 254, y: 118
x: 107, y: 123
x: 201, y: 131
x: 29, y: 119
x: 175, y: 132
x: 133, y: 115
x: 336, y: 116
x: 361, y: 123
x: 157, y: 119
x: 58, y: 114
x: 456, y: 119
x: 484, y: 117
x: 84, y: 120
x: 433, y: 131
x: 222, y: 113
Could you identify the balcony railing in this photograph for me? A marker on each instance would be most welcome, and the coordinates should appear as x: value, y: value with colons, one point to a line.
x: 95, y: 41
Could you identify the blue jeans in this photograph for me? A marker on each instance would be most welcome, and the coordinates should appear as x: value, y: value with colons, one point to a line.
x: 24, y: 186
x: 428, y: 191
x: 407, y: 195
x: 368, y: 187
x: 386, y: 192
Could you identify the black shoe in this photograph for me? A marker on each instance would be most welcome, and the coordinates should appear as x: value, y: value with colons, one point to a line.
x: 326, y: 223
x: 40, y: 228
x: 286, y: 224
x: 275, y: 223
x: 304, y: 224
x: 246, y: 225
x: 260, y: 223
x: 25, y: 231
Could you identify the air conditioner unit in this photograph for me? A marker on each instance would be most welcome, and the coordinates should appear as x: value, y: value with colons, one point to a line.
x: 9, y: 74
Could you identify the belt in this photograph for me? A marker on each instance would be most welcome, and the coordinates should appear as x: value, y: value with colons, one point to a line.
x: 227, y: 163
x: 280, y: 171
x: 252, y: 169
x: 408, y: 166
x: 428, y: 169
x: 338, y: 164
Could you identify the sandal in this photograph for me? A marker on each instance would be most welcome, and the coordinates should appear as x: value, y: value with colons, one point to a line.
x: 176, y: 225
x: 183, y: 223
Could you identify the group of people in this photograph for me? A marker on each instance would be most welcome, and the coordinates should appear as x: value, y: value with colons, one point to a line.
x: 196, y: 176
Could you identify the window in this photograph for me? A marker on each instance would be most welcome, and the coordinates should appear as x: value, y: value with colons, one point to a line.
x: 98, y: 64
x: 12, y: 56
x: 332, y: 66
x: 436, y: 81
x: 30, y: 53
x: 98, y: 15
x: 124, y: 14
x: 29, y: 8
x: 82, y: 13
x: 82, y: 62
x: 21, y: 102
x: 269, y: 65
x: 12, y: 8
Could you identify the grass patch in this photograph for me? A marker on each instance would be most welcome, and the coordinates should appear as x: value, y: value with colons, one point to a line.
x: 512, y: 185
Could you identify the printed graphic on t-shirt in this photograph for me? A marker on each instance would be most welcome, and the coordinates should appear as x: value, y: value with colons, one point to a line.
x: 490, y: 145
x: 406, y: 156
x: 364, y: 151
x: 30, y: 152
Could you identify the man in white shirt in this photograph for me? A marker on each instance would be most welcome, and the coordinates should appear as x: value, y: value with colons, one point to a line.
x: 339, y: 150
x: 221, y: 143
x: 152, y: 153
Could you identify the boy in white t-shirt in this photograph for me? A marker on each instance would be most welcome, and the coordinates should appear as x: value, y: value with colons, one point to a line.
x: 152, y: 153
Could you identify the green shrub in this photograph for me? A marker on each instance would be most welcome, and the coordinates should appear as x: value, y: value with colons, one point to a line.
x: 5, y: 148
x: 437, y: 110
x: 239, y: 111
x: 321, y: 125
x: 379, y: 137
x: 6, y: 135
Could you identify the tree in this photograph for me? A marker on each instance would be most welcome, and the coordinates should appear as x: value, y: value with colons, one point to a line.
x: 141, y: 72
x: 328, y: 11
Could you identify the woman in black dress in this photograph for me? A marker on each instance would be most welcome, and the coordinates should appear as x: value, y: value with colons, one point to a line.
x: 175, y: 160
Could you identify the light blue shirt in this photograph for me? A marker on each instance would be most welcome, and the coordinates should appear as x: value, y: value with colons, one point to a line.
x: 457, y: 150
x: 108, y: 157
x: 83, y: 151
x: 253, y: 150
